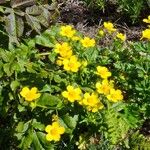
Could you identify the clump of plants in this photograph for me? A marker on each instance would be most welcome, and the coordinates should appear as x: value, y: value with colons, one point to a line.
x: 128, y: 8
x: 62, y: 90
x: 21, y: 18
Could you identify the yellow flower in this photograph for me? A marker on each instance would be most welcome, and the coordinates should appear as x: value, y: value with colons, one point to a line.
x: 101, y: 32
x: 30, y: 95
x: 121, y: 36
x: 87, y: 42
x: 109, y: 26
x: 72, y: 93
x: 103, y: 72
x: 146, y: 34
x: 67, y: 31
x: 71, y: 64
x: 96, y: 107
x: 90, y: 100
x: 55, y: 117
x: 54, y: 131
x: 115, y: 95
x: 147, y: 20
x: 75, y: 38
x: 63, y: 49
x: 104, y: 87
x: 59, y: 62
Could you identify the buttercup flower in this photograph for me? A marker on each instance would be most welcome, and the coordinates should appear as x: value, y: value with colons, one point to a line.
x: 109, y: 27
x: 71, y: 64
x: 59, y: 62
x: 121, y: 36
x: 67, y: 31
x: 87, y: 42
x: 103, y: 72
x: 101, y: 32
x: 63, y: 49
x: 72, y: 93
x: 115, y: 95
x: 75, y: 38
x: 96, y: 107
x: 92, y: 102
x: 30, y: 95
x: 146, y: 34
x: 55, y: 117
x: 147, y: 20
x: 104, y: 87
x: 54, y: 131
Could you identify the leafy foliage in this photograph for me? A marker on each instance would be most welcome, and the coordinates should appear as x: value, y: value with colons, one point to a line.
x: 33, y: 63
x: 17, y: 15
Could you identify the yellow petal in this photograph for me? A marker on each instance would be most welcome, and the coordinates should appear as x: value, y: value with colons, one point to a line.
x: 86, y: 95
x: 24, y: 91
x: 56, y: 137
x: 70, y: 88
x: 55, y: 124
x: 48, y: 128
x: 65, y: 94
x: 61, y: 130
x: 37, y: 96
x: 49, y: 137
x: 34, y: 90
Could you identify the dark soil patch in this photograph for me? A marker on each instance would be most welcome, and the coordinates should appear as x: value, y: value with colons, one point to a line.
x: 88, y: 20
x: 145, y: 130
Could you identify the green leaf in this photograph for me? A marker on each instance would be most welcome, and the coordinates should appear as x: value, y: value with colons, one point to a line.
x: 14, y: 85
x: 38, y: 125
x: 44, y: 18
x: 49, y: 100
x: 34, y: 10
x: 47, y: 88
x: 31, y: 43
x: 1, y: 9
x: 36, y: 143
x: 52, y: 56
x: 44, y: 41
x: 20, y: 127
x: 71, y: 122
x: 21, y: 108
x: 27, y: 140
x: 1, y: 69
x: 33, y: 22
x: 21, y: 3
x: 53, y: 6
x: 19, y: 26
x: 6, y: 68
x: 14, y: 26
x: 4, y: 55
x: 47, y: 145
x: 91, y: 54
x: 15, y: 67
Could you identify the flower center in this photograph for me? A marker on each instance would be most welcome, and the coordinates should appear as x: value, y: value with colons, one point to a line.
x: 54, y: 132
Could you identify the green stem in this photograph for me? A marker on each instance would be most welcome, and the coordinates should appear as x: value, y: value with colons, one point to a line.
x: 44, y: 54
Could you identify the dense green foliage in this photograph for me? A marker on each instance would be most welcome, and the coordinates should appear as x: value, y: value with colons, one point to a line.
x: 33, y: 63
x: 62, y: 90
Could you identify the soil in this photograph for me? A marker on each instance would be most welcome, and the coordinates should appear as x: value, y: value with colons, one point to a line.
x: 88, y: 20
